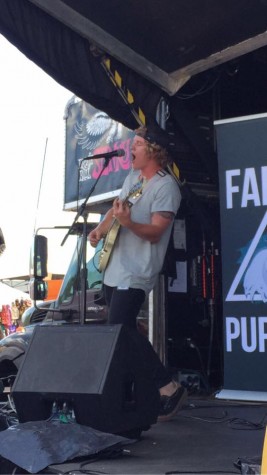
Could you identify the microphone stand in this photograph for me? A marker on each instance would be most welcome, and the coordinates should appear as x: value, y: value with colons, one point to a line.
x: 82, y: 212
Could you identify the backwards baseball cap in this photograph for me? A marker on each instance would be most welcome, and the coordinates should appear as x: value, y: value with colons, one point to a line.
x: 155, y: 135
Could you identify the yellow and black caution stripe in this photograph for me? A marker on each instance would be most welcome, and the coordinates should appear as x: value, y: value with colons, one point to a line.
x: 175, y: 170
x: 128, y: 98
x: 127, y: 95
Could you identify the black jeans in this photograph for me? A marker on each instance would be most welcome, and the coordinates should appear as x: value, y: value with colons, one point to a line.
x: 124, y: 306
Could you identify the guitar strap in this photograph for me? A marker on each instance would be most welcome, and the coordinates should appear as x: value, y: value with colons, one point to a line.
x: 146, y: 185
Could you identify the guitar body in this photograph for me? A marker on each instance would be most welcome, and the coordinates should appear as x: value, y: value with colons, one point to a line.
x: 113, y: 231
x: 108, y: 245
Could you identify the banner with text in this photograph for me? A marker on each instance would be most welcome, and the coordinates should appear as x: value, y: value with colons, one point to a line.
x: 92, y: 132
x: 242, y: 156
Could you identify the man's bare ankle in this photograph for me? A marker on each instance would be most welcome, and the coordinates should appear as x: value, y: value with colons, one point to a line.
x: 169, y: 389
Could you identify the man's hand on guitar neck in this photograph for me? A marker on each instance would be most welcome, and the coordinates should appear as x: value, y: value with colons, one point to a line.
x: 121, y: 211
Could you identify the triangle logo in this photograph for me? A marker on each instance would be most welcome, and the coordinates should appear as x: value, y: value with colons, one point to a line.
x: 252, y: 274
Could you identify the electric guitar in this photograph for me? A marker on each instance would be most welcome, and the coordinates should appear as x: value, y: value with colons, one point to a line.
x: 114, y: 228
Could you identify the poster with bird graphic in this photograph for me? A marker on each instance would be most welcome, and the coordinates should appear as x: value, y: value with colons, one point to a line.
x: 92, y: 133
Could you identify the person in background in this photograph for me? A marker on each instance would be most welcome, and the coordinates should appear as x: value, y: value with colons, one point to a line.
x: 2, y: 328
x: 144, y: 213
x: 15, y: 312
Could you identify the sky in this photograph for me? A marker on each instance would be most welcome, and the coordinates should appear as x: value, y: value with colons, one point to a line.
x: 32, y: 149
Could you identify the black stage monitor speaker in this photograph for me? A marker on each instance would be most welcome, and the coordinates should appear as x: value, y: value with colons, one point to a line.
x: 97, y: 371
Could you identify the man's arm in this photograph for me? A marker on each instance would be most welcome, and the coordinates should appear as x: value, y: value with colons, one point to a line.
x: 152, y: 231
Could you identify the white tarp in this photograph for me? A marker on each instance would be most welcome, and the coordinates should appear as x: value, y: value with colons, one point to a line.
x: 10, y: 294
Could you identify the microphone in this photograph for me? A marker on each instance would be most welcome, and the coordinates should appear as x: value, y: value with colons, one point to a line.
x: 115, y: 153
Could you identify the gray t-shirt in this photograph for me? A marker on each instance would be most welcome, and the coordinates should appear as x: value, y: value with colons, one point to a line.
x: 135, y: 262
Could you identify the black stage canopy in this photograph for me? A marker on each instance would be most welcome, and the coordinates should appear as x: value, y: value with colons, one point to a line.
x: 153, y: 49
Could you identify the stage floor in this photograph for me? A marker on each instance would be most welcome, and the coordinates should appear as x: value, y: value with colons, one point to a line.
x: 207, y: 436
